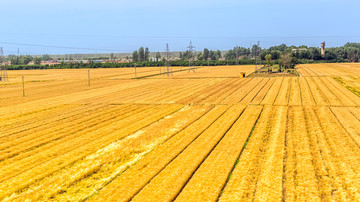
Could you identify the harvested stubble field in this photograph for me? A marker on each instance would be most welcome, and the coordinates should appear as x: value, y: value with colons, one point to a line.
x: 207, y: 135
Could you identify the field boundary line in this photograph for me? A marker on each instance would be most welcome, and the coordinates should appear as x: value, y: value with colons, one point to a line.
x: 260, y: 90
x: 179, y: 154
x: 71, y: 163
x: 58, y: 134
x: 265, y: 93
x: 222, y: 113
x: 277, y: 94
x: 312, y: 94
x: 321, y: 80
x: 72, y: 149
x: 336, y: 80
x: 258, y: 83
x: 286, y: 150
x: 249, y: 79
x: 217, y: 143
x: 213, y: 89
x: 127, y: 167
x: 238, y: 158
x: 343, y: 127
x: 67, y: 115
x: 301, y: 97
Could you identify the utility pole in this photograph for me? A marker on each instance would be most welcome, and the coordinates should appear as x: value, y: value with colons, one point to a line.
x: 252, y: 57
x: 135, y: 69
x: 167, y: 60
x: 191, y: 49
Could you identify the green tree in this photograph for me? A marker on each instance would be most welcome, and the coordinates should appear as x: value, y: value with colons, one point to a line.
x: 352, y: 54
x: 293, y: 62
x: 280, y: 48
x: 218, y: 54
x: 286, y: 60
x: 46, y: 57
x: 141, y: 54
x: 135, y: 56
x: 315, y: 53
x: 206, y: 53
x: 263, y: 54
x: 304, y: 54
x: 25, y: 59
x: 186, y: 55
x: 212, y: 55
x: 14, y: 59
x: 230, y: 55
x: 268, y: 59
x: 37, y: 60
x: 356, y: 45
x: 255, y: 50
x: 200, y: 56
x: 275, y: 54
x: 146, y: 54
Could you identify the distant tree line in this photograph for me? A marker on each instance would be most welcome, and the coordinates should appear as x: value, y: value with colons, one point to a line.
x: 23, y: 59
x: 285, y: 56
x: 201, y: 56
x: 64, y: 65
x: 26, y: 59
x: 141, y: 55
x: 350, y: 52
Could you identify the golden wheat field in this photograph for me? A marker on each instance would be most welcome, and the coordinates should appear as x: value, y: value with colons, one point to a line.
x: 196, y: 135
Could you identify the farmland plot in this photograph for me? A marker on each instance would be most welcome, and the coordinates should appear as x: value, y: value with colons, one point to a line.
x: 204, y: 135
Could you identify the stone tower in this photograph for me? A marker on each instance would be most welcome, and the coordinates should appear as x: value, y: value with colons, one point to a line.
x: 323, y: 48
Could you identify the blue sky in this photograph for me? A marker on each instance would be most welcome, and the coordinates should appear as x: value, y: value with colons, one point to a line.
x: 123, y: 26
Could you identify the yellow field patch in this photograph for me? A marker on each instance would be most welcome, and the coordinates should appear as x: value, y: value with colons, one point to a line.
x: 206, y: 134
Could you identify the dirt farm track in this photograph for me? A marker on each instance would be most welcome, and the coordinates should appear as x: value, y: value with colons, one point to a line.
x: 203, y: 135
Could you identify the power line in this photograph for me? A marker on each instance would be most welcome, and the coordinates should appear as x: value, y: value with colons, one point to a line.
x: 184, y: 37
